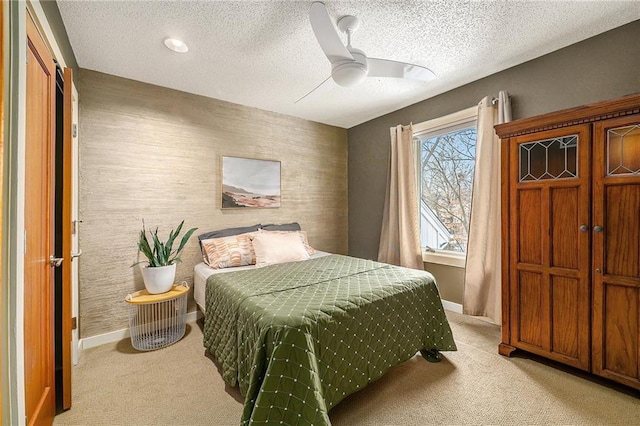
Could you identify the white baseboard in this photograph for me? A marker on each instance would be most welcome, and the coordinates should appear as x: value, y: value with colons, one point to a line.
x: 101, y: 339
x: 117, y: 335
x: 79, y: 352
x: 453, y: 307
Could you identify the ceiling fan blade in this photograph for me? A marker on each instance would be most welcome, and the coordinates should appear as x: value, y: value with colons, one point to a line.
x: 387, y: 68
x: 327, y: 34
x: 313, y: 90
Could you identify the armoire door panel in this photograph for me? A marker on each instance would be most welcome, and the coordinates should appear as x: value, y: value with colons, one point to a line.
x: 530, y: 226
x: 530, y: 309
x: 622, y: 233
x: 565, y: 308
x: 565, y: 227
x: 616, y: 250
x: 550, y: 255
x: 620, y: 330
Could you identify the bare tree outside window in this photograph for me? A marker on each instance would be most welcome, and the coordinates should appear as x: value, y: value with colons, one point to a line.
x: 447, y: 164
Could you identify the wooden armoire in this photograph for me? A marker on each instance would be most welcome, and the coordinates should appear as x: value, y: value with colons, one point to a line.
x: 571, y: 237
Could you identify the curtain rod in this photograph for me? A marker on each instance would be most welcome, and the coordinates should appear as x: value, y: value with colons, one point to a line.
x: 494, y: 100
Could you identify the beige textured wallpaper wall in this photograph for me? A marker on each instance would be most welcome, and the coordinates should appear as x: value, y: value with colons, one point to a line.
x: 154, y: 153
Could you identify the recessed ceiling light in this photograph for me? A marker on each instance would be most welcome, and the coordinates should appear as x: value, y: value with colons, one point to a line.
x: 176, y: 45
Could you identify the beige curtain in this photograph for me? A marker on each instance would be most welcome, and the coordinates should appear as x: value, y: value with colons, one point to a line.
x: 482, y: 289
x: 400, y: 235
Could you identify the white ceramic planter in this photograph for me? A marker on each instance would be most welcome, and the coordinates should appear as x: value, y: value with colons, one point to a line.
x: 159, y: 279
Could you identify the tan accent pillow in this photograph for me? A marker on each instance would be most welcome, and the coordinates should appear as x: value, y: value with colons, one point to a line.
x: 303, y: 237
x: 228, y: 252
x: 274, y: 247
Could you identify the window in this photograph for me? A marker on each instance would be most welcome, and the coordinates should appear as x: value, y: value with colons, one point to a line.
x: 446, y: 162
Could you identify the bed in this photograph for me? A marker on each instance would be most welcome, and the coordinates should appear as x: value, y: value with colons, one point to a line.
x: 299, y: 337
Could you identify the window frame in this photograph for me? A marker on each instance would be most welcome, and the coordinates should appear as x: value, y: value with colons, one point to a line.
x: 468, y: 115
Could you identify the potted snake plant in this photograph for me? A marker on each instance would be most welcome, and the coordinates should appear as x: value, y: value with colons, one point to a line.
x: 161, y: 258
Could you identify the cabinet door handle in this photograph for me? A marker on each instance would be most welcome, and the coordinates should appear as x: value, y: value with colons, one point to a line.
x: 597, y: 228
x: 584, y: 228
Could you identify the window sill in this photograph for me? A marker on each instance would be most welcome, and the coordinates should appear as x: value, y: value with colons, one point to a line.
x: 454, y: 259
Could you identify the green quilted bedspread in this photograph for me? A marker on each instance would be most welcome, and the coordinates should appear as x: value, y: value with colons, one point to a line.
x: 299, y: 337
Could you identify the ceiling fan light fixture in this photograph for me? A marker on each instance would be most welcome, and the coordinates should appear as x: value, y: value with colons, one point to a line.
x: 176, y: 45
x: 349, y: 74
x: 350, y: 66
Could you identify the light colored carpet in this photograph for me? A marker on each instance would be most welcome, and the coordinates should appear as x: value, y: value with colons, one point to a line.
x: 179, y: 385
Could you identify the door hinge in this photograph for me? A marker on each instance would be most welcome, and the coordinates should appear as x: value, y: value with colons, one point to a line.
x: 74, y: 323
x: 75, y: 226
x: 74, y: 130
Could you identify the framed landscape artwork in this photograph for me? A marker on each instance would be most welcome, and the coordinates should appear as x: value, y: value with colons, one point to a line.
x: 250, y: 183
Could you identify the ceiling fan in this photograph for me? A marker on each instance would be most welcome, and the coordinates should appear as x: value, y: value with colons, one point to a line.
x: 350, y: 66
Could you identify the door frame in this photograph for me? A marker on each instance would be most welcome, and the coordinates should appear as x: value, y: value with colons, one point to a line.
x: 3, y: 319
x: 13, y: 198
x: 75, y: 247
x: 13, y: 212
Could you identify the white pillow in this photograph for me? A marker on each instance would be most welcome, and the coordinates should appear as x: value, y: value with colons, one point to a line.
x: 272, y: 248
x: 303, y: 237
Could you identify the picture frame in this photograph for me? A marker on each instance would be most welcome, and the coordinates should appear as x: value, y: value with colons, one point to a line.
x: 250, y: 183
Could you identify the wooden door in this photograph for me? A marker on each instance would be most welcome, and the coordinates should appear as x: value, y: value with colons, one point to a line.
x: 616, y: 250
x: 67, y: 231
x: 550, y: 244
x: 2, y: 284
x: 39, y: 225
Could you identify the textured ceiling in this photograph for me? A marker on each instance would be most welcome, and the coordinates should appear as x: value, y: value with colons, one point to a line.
x: 264, y: 53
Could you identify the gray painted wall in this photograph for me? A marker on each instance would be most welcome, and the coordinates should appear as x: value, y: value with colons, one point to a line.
x: 50, y: 8
x: 154, y: 153
x: 604, y: 67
